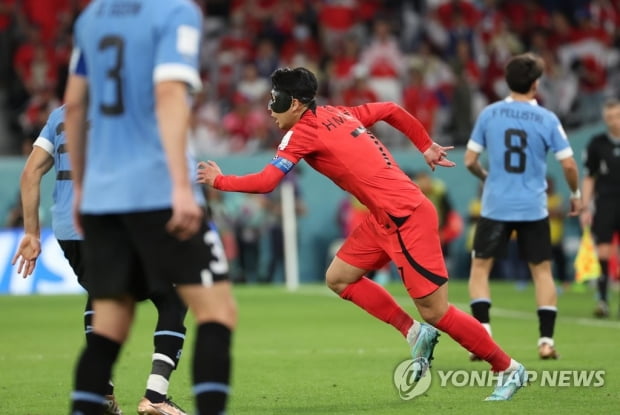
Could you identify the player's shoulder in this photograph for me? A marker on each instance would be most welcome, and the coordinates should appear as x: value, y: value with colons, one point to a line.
x: 154, y: 10
x: 546, y: 112
x: 489, y: 109
x: 327, y: 112
x: 187, y: 8
x: 57, y: 115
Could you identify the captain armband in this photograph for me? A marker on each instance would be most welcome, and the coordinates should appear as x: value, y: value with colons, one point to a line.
x: 282, y: 164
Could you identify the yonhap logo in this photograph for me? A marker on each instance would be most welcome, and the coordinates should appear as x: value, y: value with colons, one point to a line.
x: 544, y: 378
x: 404, y: 381
x: 408, y: 389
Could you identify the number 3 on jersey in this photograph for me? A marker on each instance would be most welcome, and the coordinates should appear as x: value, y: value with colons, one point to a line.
x: 514, y: 156
x: 114, y: 74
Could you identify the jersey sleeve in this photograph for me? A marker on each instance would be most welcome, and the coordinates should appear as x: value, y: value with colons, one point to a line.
x: 559, y: 140
x: 264, y: 181
x: 295, y: 144
x: 48, y: 134
x: 397, y: 117
x: 178, y: 48
x: 45, y: 140
x: 77, y: 63
x: 477, y: 142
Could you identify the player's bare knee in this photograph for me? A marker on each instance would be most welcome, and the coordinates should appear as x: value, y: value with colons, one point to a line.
x: 431, y: 315
x: 334, y: 282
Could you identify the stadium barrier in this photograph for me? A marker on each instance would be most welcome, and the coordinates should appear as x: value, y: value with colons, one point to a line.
x: 317, y: 229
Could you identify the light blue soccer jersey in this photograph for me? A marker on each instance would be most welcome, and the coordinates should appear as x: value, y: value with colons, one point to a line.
x: 52, y: 140
x: 517, y: 136
x: 124, y: 47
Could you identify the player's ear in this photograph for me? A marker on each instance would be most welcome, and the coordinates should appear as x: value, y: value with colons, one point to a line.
x: 296, y: 104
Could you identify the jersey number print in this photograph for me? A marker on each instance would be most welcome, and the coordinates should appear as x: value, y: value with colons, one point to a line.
x: 114, y: 74
x: 514, y: 157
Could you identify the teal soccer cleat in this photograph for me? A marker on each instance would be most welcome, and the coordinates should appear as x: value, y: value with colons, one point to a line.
x: 422, y: 350
x: 508, y: 384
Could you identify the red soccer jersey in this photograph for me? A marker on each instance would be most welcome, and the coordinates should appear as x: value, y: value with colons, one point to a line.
x: 335, y: 142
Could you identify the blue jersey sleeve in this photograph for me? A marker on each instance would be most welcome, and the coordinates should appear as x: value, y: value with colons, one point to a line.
x: 77, y: 63
x: 477, y: 141
x: 559, y: 140
x: 49, y: 132
x: 176, y: 58
x: 46, y: 131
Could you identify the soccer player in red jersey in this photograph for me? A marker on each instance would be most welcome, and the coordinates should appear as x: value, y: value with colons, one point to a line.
x: 403, y: 226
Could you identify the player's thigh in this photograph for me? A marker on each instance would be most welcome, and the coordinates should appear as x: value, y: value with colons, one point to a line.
x: 606, y: 220
x: 362, y: 249
x: 210, y: 303
x: 491, y: 238
x: 168, y: 260
x: 534, y: 241
x: 415, y: 249
x: 111, y: 265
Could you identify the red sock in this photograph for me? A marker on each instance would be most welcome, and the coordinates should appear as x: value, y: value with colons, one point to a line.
x: 470, y: 334
x: 377, y: 301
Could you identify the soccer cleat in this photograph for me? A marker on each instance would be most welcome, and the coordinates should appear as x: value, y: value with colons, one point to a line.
x: 167, y: 407
x: 601, y: 310
x: 111, y: 406
x: 547, y: 351
x: 422, y: 350
x: 508, y: 384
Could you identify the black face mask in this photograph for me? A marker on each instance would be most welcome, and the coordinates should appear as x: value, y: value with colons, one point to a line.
x: 280, y: 101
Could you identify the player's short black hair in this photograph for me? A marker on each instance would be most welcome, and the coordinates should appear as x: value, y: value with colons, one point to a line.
x: 299, y: 83
x: 522, y: 71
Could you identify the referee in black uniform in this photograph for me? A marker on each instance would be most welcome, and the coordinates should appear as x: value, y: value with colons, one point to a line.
x: 601, y: 194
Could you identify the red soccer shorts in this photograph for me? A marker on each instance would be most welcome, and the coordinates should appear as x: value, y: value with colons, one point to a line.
x: 414, y: 248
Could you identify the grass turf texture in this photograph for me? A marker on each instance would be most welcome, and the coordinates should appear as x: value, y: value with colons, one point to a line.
x: 312, y: 353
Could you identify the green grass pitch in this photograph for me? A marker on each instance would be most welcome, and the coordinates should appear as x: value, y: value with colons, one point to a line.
x: 311, y: 353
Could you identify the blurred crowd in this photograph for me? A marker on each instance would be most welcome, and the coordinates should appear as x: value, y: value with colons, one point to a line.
x: 440, y: 59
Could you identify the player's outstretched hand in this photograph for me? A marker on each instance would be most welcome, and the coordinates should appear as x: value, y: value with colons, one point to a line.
x: 27, y: 254
x: 208, y: 171
x: 186, y: 214
x: 436, y: 156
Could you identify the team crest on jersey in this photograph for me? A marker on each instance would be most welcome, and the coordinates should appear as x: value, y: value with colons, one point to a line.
x: 285, y: 140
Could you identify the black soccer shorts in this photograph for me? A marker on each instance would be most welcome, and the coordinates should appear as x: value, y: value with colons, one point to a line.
x: 533, y: 239
x: 133, y: 254
x: 606, y: 220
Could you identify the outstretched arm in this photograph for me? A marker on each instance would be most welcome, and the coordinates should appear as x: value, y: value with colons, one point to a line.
x: 410, y: 126
x: 39, y: 162
x: 264, y: 181
x: 397, y: 117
